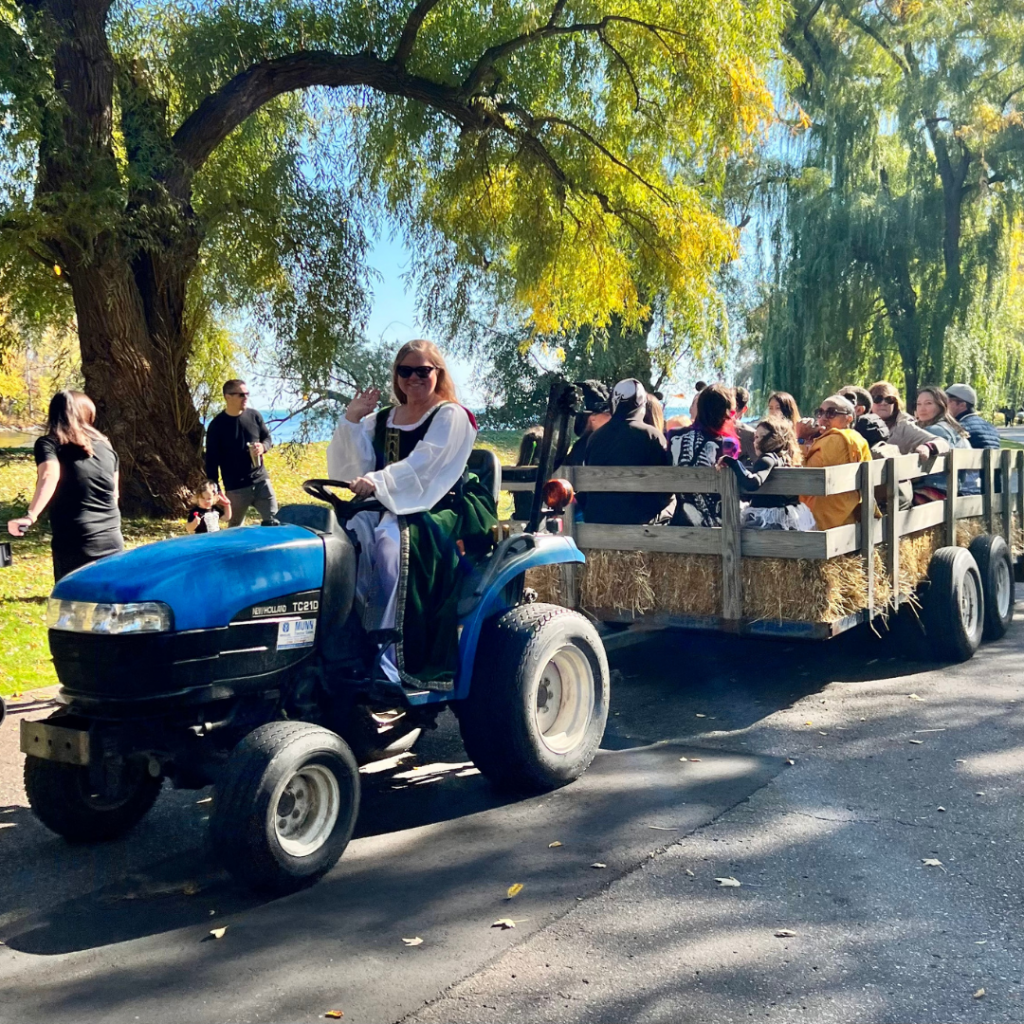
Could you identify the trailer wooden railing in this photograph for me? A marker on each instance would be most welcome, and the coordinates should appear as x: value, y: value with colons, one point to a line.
x: 1000, y: 473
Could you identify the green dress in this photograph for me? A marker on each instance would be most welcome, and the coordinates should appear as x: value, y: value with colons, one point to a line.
x: 434, y: 566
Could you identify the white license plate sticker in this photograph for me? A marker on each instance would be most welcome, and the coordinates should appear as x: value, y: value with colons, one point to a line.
x: 296, y: 633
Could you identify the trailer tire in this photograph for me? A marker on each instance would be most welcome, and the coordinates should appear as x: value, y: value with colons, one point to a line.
x: 953, y: 605
x: 285, y: 806
x: 61, y: 797
x: 996, y: 567
x: 512, y: 727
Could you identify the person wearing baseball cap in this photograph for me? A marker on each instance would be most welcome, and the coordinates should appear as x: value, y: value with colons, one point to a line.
x: 626, y: 440
x: 962, y: 399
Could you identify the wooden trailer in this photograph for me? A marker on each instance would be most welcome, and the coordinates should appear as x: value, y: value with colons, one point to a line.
x: 952, y: 561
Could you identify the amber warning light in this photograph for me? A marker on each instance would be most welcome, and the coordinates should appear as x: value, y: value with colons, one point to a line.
x: 557, y: 494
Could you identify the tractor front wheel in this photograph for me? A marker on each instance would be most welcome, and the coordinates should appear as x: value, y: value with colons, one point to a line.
x: 538, y: 703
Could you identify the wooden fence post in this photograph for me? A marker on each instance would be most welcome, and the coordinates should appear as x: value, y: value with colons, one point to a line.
x: 952, y: 493
x: 569, y: 579
x: 892, y: 528
x: 1019, y: 474
x: 1005, y: 496
x: 732, y: 582
x: 988, y: 491
x: 867, y: 531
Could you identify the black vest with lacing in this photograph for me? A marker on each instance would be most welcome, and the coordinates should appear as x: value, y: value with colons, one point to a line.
x: 391, y: 444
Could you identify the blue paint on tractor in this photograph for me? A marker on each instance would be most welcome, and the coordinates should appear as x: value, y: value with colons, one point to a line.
x: 208, y: 578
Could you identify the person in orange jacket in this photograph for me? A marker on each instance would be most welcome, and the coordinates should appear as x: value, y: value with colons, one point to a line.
x: 836, y: 445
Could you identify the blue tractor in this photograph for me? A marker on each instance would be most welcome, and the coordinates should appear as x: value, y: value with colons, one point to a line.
x: 238, y: 659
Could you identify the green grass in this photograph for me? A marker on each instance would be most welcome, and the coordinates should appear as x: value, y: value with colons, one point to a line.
x: 25, y: 586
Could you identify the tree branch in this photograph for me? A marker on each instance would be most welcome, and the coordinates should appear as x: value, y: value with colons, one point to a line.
x: 223, y: 111
x: 412, y: 27
x: 534, y: 122
x: 476, y: 78
x: 870, y: 30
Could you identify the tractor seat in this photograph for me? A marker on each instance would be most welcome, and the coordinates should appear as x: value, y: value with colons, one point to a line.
x: 485, y: 465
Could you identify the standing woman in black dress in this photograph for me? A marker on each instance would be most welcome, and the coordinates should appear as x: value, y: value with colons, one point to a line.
x: 77, y: 476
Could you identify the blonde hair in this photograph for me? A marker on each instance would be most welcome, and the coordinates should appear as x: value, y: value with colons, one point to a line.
x: 445, y: 389
x: 654, y: 414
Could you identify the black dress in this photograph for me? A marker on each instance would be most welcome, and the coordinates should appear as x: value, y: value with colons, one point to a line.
x: 84, y: 516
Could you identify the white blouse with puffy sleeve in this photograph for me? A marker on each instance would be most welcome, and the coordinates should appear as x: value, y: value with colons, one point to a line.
x: 418, y: 482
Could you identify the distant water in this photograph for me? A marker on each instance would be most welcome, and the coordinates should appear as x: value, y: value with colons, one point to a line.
x: 16, y: 439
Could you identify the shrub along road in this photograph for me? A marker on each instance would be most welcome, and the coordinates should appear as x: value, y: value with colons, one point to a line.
x: 693, y: 785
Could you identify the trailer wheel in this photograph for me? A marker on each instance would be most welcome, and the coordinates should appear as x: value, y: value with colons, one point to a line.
x: 65, y: 801
x: 953, y: 605
x: 286, y: 805
x: 538, y: 704
x: 996, y: 567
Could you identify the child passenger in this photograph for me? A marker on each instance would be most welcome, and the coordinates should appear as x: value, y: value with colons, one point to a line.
x: 204, y: 516
x: 775, y: 444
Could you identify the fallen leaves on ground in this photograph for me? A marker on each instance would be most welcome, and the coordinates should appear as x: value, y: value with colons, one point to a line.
x: 413, y: 942
x: 931, y: 862
x: 698, y: 715
x: 914, y: 696
x: 504, y: 923
x: 598, y: 864
x: 335, y: 1014
x: 790, y: 760
x: 784, y: 933
x: 690, y: 873
x: 554, y: 845
x: 218, y: 933
x: 917, y: 742
x: 664, y: 828
x: 980, y: 994
x: 729, y: 883
x: 514, y: 890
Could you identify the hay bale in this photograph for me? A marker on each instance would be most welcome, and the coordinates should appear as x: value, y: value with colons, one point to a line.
x: 619, y: 580
x: 636, y: 583
x: 547, y: 581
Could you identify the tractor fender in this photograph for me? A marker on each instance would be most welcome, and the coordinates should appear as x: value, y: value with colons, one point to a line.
x: 513, y: 557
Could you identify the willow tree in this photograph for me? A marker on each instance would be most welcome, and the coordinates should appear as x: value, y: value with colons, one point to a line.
x: 183, y: 157
x: 895, y: 208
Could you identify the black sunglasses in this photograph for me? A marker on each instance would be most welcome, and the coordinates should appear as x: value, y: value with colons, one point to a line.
x: 423, y: 372
x: 241, y: 394
x: 883, y: 400
x: 830, y: 414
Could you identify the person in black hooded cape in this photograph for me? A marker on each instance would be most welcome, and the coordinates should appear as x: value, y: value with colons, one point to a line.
x: 625, y: 440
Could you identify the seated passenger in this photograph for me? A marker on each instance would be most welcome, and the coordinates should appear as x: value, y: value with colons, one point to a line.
x: 932, y: 413
x: 836, y: 445
x: 595, y: 414
x: 411, y: 457
x: 626, y: 440
x: 873, y: 429
x: 775, y: 444
x: 903, y: 431
x: 710, y: 437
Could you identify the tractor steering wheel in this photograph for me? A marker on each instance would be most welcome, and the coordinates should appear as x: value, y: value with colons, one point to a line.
x: 344, y: 510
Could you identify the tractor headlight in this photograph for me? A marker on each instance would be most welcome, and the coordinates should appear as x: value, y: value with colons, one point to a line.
x: 86, y: 617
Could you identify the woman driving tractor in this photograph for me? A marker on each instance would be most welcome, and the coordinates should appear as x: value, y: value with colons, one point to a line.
x: 411, y: 457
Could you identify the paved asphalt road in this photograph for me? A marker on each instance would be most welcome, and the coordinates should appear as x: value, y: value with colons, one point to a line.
x: 693, y: 784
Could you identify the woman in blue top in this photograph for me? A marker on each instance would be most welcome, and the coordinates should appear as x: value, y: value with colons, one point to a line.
x: 932, y: 413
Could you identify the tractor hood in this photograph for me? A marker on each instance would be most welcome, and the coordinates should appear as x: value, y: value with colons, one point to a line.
x: 207, y: 578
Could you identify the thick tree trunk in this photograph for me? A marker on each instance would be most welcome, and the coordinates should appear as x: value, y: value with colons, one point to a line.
x: 136, y: 376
